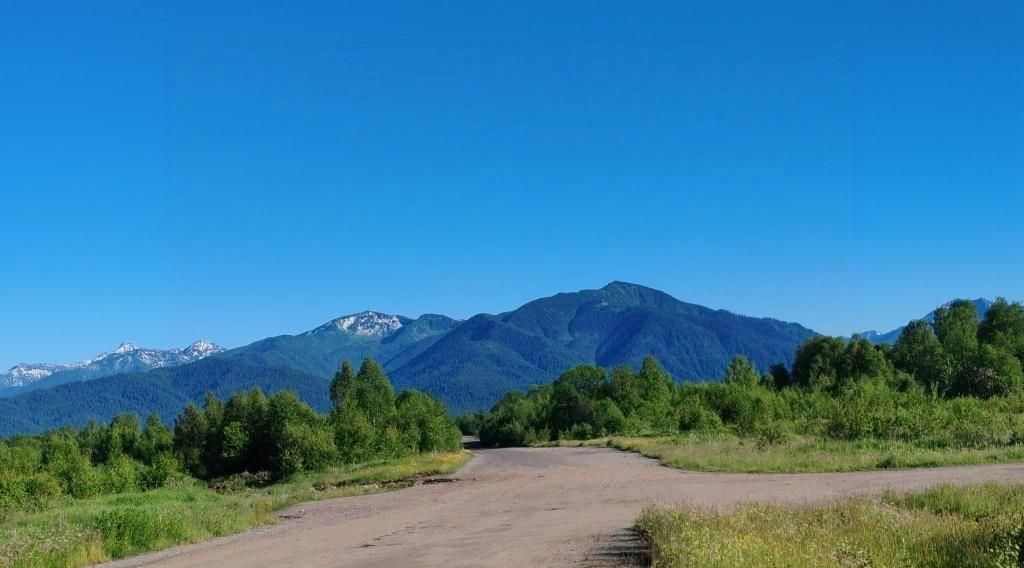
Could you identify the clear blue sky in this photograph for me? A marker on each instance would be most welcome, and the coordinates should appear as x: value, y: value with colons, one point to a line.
x: 238, y: 170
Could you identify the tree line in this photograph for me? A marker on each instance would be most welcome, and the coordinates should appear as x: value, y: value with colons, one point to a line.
x: 954, y: 382
x: 273, y: 436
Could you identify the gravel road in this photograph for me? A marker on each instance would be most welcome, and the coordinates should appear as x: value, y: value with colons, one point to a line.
x: 526, y: 507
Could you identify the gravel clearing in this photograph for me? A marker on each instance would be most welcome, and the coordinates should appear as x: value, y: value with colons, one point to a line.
x: 527, y: 507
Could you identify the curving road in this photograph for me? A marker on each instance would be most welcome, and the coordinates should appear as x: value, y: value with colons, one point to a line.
x: 526, y: 507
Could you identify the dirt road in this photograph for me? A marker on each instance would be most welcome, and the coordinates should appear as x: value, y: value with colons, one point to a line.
x: 525, y: 507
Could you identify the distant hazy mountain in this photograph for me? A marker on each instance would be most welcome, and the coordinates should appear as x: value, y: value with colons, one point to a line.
x: 890, y: 337
x: 127, y: 358
x: 467, y: 364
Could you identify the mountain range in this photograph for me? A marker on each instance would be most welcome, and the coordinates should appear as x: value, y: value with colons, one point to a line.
x: 127, y: 358
x: 468, y: 364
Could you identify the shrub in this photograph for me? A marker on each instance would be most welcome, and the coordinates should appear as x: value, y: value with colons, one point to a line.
x: 41, y: 490
x: 159, y: 471
x: 121, y: 475
x: 305, y: 447
x: 581, y: 431
x: 13, y: 494
x: 970, y: 425
x: 694, y: 415
x: 772, y: 434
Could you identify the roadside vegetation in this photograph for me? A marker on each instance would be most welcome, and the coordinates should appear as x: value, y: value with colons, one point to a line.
x: 74, y: 497
x: 946, y: 527
x: 725, y: 452
x: 951, y: 392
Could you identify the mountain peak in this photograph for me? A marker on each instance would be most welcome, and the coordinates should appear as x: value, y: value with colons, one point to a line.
x: 126, y: 347
x: 619, y: 284
x: 363, y: 324
x: 203, y: 347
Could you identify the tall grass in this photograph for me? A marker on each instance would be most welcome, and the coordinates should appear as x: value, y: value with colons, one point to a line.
x: 979, y: 526
x: 86, y: 531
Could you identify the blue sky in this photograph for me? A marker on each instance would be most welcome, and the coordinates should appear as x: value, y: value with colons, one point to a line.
x: 245, y: 169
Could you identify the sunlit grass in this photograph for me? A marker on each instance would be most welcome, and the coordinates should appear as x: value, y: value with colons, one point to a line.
x: 729, y: 453
x: 946, y: 527
x: 82, y: 532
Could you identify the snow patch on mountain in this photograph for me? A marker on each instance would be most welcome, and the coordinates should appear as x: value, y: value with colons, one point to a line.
x: 363, y: 324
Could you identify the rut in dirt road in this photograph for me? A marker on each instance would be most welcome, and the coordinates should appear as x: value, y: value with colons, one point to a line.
x: 526, y: 507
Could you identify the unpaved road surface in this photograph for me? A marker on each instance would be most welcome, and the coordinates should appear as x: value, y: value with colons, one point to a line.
x: 526, y: 507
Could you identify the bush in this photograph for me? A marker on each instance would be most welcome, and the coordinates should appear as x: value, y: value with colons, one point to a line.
x: 772, y: 434
x: 694, y: 415
x: 582, y: 431
x: 41, y: 490
x: 971, y: 425
x: 121, y: 475
x: 157, y: 473
x: 305, y: 447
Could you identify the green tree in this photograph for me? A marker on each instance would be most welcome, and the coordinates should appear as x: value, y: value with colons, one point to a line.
x: 426, y: 426
x: 92, y: 439
x: 65, y: 461
x: 919, y: 352
x: 244, y: 447
x: 818, y: 361
x: 658, y: 390
x: 374, y: 394
x: 304, y: 447
x: 342, y: 384
x: 1003, y: 327
x: 124, y: 437
x: 353, y: 433
x: 574, y: 397
x: 862, y: 359
x: 998, y: 373
x: 780, y: 376
x: 957, y: 328
x: 518, y: 419
x: 299, y: 437
x: 191, y: 431
x: 213, y: 450
x: 157, y: 439
x: 741, y: 372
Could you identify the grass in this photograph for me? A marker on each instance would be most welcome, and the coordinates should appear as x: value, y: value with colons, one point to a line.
x: 976, y: 526
x: 86, y: 531
x: 730, y: 453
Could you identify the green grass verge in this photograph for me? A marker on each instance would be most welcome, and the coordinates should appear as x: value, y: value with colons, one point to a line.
x: 81, y: 532
x: 728, y: 453
x: 964, y: 527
